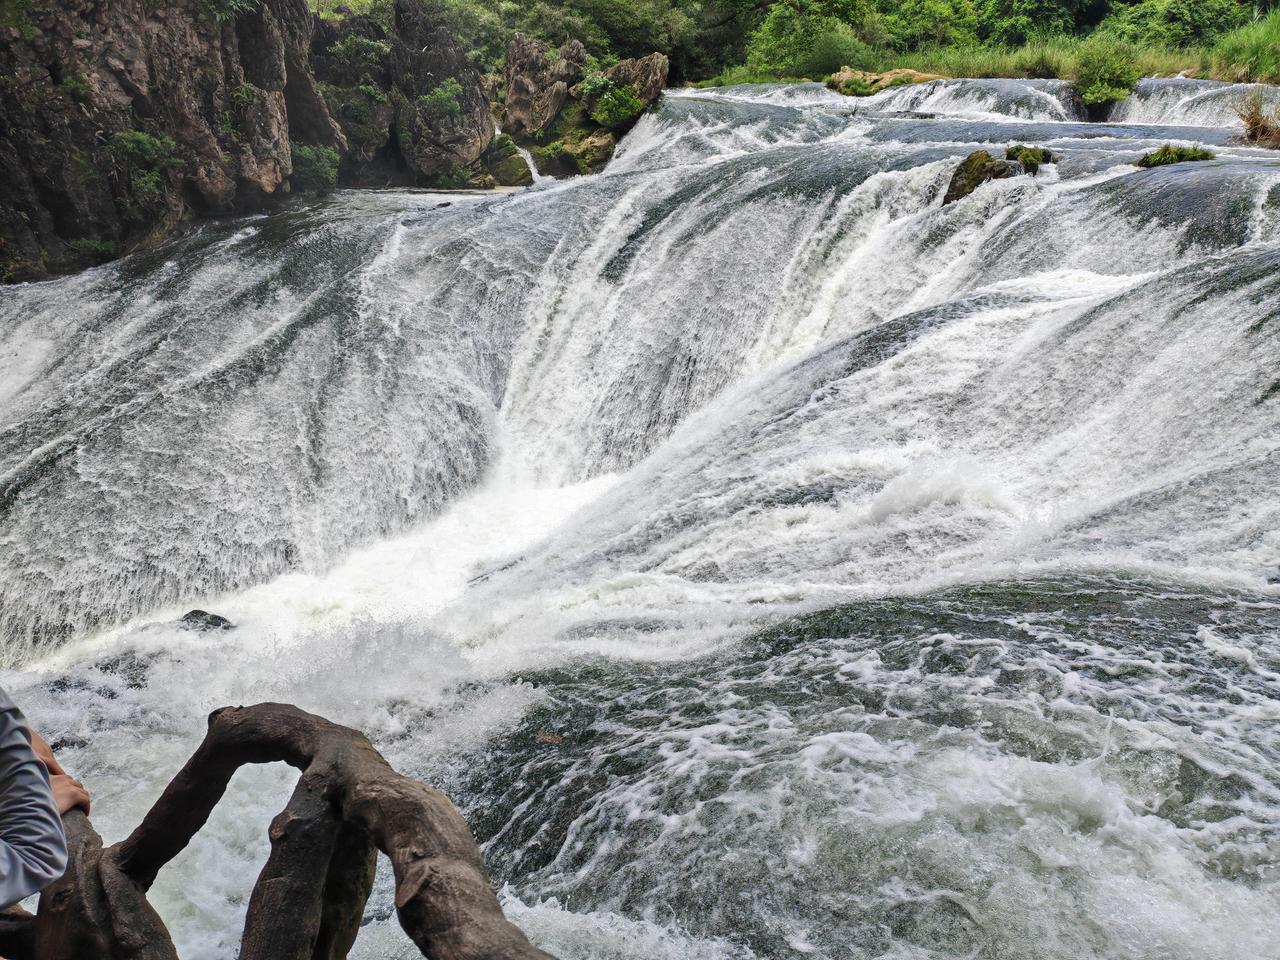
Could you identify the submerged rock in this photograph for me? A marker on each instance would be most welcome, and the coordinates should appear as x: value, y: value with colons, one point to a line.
x: 863, y: 83
x: 203, y: 620
x: 1170, y: 154
x: 1030, y: 157
x: 975, y: 170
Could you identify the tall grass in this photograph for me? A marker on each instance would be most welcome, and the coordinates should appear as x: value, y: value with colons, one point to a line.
x: 1250, y: 54
x: 1059, y: 57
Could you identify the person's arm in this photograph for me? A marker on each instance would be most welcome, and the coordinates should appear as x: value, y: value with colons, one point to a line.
x: 33, y: 849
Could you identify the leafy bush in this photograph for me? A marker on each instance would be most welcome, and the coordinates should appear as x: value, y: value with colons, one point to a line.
x: 1106, y: 70
x: 315, y: 169
x: 786, y: 39
x: 839, y: 46
x: 1170, y: 154
x: 224, y: 11
x: 595, y: 84
x: 442, y: 100
x: 618, y: 107
x: 143, y: 151
x: 1014, y: 22
x: 73, y: 86
x: 1173, y: 23
x: 356, y: 51
x: 1251, y: 53
x: 932, y: 23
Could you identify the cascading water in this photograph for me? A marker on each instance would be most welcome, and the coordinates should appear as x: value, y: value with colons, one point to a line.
x: 769, y: 560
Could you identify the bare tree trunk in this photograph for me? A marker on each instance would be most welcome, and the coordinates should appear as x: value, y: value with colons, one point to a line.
x: 309, y: 898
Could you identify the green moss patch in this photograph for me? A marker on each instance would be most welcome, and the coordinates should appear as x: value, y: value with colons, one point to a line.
x: 1170, y: 154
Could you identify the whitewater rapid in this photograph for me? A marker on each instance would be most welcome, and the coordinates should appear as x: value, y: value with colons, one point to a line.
x: 767, y: 559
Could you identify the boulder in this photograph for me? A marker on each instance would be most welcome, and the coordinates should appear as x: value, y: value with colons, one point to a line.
x: 863, y: 83
x: 975, y: 170
x: 502, y: 162
x: 647, y: 76
x: 538, y: 83
x: 203, y: 620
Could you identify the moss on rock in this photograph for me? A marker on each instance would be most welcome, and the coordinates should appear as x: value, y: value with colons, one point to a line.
x: 975, y: 170
x: 1030, y: 157
x: 1170, y: 154
x: 863, y: 83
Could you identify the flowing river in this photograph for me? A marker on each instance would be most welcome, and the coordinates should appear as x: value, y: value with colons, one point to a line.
x: 768, y: 560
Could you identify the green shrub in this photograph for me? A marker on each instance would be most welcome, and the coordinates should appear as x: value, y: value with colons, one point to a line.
x: 1030, y: 157
x: 785, y: 41
x: 242, y: 96
x: 1015, y: 22
x: 914, y: 24
x: 224, y: 11
x: 839, y: 46
x: 1170, y: 154
x: 315, y: 169
x: 1173, y: 23
x: 1106, y: 70
x: 1251, y: 53
x: 618, y: 107
x: 455, y: 178
x: 73, y: 86
x: 442, y: 100
x: 356, y: 51
x: 595, y: 84
x: 143, y: 151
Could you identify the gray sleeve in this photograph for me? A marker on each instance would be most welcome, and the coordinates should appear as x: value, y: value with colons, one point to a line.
x: 33, y: 849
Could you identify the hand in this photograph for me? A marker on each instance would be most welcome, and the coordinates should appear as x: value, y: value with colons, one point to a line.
x: 69, y: 793
x: 44, y: 754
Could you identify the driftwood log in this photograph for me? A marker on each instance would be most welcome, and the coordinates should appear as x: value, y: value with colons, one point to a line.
x: 309, y: 898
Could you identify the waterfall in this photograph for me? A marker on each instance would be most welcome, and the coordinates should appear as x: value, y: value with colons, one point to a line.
x: 768, y: 558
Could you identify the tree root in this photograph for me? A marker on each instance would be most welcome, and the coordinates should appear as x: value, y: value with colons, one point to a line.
x: 309, y: 898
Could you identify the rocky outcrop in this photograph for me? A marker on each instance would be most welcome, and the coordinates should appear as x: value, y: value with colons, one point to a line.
x: 975, y: 170
x: 1031, y: 158
x: 413, y: 111
x: 570, y: 116
x: 503, y: 163
x: 120, y: 118
x: 863, y: 83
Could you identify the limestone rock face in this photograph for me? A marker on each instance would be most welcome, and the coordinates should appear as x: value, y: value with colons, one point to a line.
x: 571, y: 121
x: 120, y: 118
x: 863, y: 83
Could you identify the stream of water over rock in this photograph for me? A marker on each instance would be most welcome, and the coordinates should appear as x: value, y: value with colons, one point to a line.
x: 768, y: 560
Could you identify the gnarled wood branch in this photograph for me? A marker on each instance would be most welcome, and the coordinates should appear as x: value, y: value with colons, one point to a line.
x: 309, y: 899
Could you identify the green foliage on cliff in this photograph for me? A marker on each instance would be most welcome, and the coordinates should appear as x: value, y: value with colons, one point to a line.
x: 315, y: 169
x: 617, y: 107
x: 442, y: 100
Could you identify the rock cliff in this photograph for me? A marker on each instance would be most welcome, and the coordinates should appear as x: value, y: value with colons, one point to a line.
x: 120, y: 119
x: 569, y: 114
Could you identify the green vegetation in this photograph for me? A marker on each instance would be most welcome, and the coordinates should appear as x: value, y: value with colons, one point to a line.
x: 98, y: 250
x: 224, y: 11
x: 617, y: 107
x: 1170, y: 154
x: 315, y: 169
x: 1104, y: 45
x: 1105, y: 70
x: 357, y: 52
x: 1251, y: 53
x: 1030, y: 157
x: 146, y: 159
x: 442, y: 100
x: 242, y: 96
x: 73, y: 86
x: 16, y: 15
